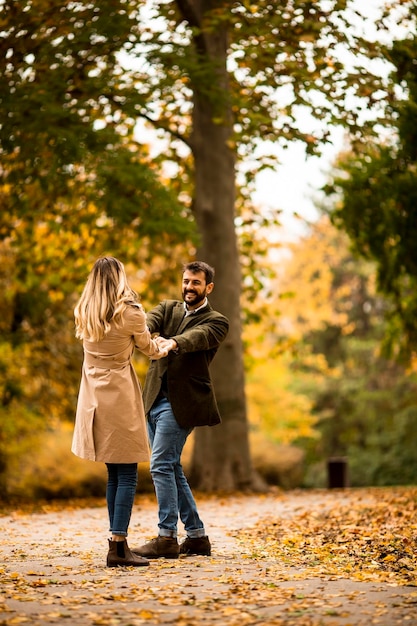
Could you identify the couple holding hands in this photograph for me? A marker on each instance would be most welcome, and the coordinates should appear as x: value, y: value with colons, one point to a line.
x: 116, y: 424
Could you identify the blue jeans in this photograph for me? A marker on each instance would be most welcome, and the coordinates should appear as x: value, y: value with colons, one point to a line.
x: 120, y: 494
x: 172, y: 490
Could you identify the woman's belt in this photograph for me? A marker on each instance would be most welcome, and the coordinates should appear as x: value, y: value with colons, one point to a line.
x: 106, y: 364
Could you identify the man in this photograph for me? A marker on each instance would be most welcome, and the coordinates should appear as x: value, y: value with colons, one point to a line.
x: 178, y: 395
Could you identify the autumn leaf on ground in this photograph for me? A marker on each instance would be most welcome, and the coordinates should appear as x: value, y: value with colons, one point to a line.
x: 375, y: 540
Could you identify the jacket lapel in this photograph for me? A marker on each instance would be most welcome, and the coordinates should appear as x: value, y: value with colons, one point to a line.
x: 177, y: 318
x: 195, y: 317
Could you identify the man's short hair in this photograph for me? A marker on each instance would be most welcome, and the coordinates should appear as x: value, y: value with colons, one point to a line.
x: 200, y: 266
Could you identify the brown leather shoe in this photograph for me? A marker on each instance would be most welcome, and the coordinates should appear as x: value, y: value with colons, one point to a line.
x: 197, y: 545
x: 120, y: 555
x: 159, y: 547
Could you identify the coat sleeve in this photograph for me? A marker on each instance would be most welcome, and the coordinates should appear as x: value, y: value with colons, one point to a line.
x: 155, y: 318
x: 142, y: 336
x: 206, y: 335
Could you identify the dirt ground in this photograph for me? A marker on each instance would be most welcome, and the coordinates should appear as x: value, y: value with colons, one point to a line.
x: 52, y: 571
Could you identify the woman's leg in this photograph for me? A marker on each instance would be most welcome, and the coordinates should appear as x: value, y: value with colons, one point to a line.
x: 111, y: 491
x: 123, y: 478
x: 120, y: 492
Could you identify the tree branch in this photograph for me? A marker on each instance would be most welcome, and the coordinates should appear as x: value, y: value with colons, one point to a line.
x: 165, y: 126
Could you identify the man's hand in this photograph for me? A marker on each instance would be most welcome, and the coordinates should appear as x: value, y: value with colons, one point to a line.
x: 166, y: 344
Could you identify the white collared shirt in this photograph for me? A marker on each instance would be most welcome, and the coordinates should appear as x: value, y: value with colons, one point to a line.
x: 187, y: 312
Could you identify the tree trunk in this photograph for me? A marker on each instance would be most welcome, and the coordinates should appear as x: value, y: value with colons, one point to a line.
x: 221, y: 457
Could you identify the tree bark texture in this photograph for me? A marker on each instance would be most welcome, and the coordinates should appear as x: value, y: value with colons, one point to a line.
x: 221, y: 457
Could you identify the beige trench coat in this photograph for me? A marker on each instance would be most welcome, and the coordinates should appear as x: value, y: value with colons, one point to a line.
x: 110, y: 423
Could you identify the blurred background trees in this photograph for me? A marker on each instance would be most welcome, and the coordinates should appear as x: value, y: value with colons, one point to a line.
x: 360, y: 404
x: 80, y: 177
x: 375, y: 190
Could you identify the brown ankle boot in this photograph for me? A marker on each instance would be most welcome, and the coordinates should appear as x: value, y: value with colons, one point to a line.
x: 196, y: 545
x: 159, y: 547
x: 119, y: 555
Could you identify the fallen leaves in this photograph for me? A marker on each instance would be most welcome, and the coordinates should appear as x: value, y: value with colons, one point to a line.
x: 374, y: 541
x: 302, y: 559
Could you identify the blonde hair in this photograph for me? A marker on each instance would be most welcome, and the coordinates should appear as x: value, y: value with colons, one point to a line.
x: 104, y: 299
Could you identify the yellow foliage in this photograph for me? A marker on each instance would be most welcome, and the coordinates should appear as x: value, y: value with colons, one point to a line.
x: 308, y: 275
x: 312, y: 292
x: 273, y: 408
x: 43, y: 466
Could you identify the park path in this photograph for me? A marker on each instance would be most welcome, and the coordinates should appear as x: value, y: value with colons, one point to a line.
x: 52, y: 571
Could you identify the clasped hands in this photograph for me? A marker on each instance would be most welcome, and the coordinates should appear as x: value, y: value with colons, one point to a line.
x: 166, y: 345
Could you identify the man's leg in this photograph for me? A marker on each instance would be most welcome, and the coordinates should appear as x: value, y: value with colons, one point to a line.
x: 187, y: 506
x: 167, y: 440
x: 196, y: 541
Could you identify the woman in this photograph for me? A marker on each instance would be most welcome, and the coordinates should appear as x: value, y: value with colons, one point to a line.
x: 110, y: 422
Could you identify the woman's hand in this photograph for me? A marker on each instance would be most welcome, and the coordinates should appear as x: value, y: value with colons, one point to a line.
x: 166, y: 344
